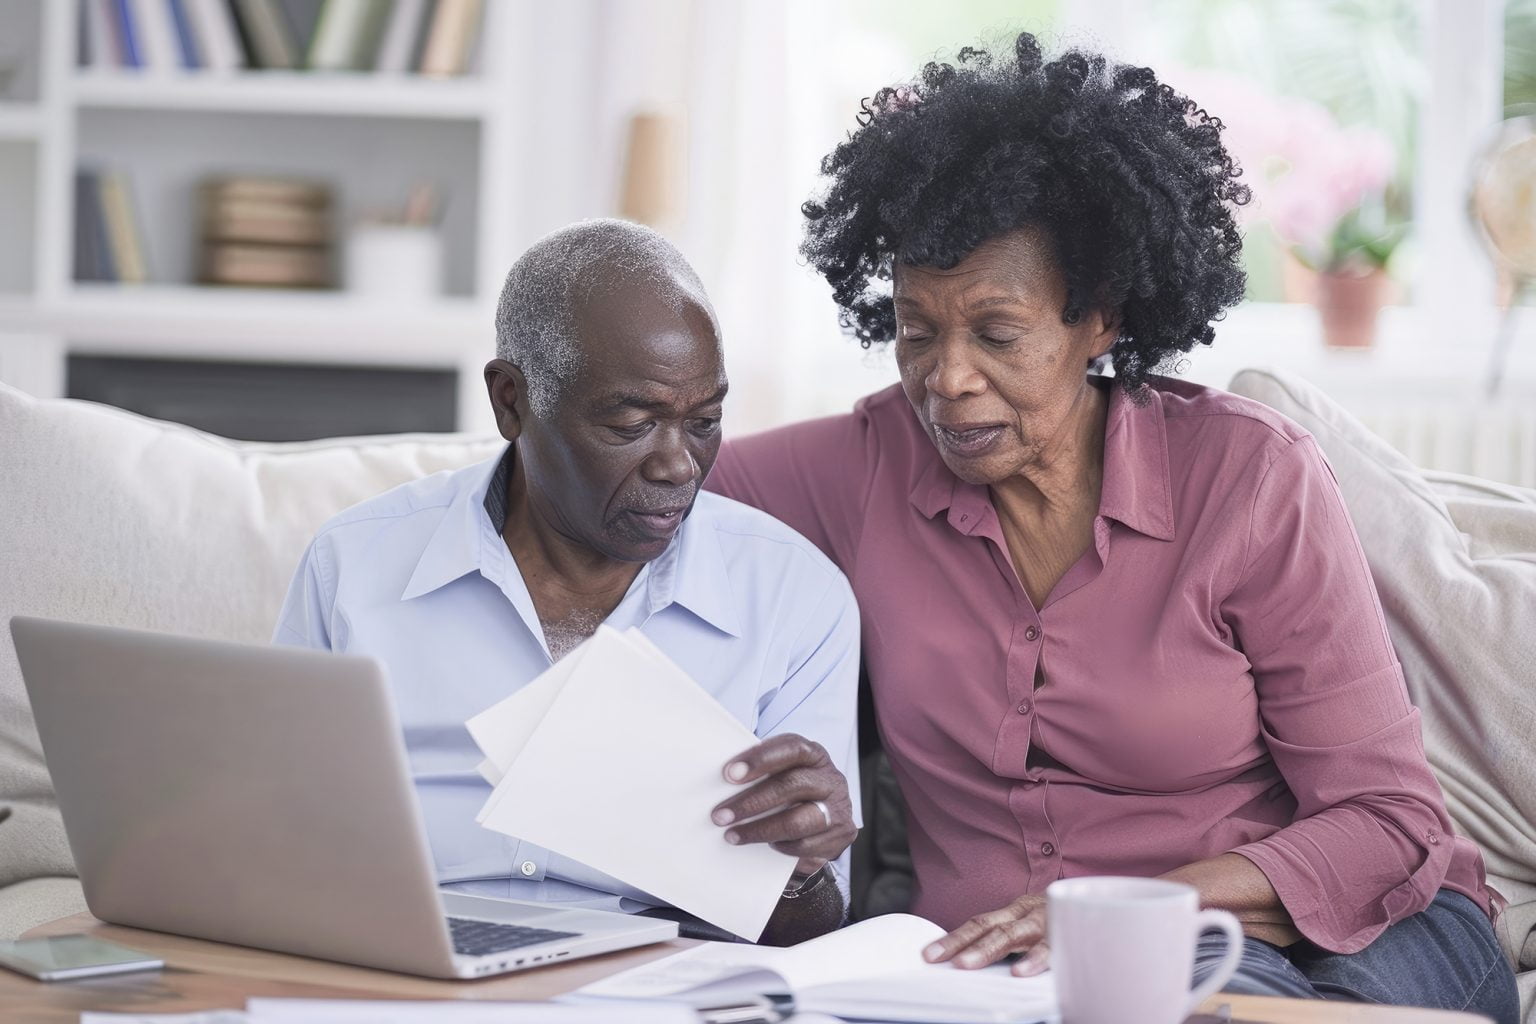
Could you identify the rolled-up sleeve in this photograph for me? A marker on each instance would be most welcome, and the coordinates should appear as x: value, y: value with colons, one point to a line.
x: 1372, y: 841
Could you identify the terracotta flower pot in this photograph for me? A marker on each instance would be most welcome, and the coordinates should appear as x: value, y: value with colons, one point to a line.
x: 1349, y: 304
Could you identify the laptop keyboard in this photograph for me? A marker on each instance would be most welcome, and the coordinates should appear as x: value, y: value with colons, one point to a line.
x: 479, y: 938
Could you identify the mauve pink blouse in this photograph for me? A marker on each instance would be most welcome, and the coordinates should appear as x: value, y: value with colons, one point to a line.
x: 1213, y: 675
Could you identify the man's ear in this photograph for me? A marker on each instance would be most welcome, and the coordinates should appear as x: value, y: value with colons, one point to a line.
x: 508, y: 390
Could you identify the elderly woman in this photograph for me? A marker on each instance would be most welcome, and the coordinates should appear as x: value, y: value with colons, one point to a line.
x: 1113, y: 624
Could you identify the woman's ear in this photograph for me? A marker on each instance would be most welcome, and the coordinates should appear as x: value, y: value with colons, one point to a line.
x: 1105, y: 324
x: 508, y: 390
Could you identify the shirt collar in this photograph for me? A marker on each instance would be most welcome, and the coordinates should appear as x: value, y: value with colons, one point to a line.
x: 691, y: 572
x: 1136, y: 489
x: 457, y: 547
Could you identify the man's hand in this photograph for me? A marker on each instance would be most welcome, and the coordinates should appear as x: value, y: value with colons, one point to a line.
x: 794, y: 799
x: 987, y: 938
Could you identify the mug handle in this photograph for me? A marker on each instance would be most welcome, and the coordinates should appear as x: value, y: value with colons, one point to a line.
x: 1205, y: 920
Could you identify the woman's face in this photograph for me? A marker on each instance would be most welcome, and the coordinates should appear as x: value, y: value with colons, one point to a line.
x: 993, y: 373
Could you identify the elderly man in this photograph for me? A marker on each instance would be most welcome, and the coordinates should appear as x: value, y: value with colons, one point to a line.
x: 608, y: 387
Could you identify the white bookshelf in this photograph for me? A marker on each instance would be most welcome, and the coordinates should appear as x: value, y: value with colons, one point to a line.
x: 20, y: 121
x: 279, y: 92
x: 370, y: 136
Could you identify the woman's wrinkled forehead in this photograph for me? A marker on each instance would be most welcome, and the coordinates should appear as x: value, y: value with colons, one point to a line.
x: 1018, y: 263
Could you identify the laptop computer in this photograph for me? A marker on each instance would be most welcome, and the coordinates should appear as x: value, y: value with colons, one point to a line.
x: 260, y: 796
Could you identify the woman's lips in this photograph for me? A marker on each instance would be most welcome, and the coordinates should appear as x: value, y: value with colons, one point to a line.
x: 968, y: 440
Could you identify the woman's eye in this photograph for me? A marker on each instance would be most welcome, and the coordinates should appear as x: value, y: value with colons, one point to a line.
x: 998, y: 339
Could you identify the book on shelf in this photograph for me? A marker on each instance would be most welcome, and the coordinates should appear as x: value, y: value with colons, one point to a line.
x: 151, y: 21
x: 218, y: 41
x: 268, y: 38
x: 450, y: 37
x: 267, y: 266
x: 400, y: 49
x: 109, y: 245
x: 186, y: 38
x: 100, y: 45
x: 870, y: 971
x: 273, y: 232
x: 348, y: 34
x: 127, y: 34
x: 93, y: 259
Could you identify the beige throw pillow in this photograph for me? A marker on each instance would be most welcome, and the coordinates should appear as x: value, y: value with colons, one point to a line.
x: 112, y: 518
x: 1454, y: 561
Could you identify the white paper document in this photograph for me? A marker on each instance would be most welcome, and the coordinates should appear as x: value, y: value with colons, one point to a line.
x: 468, y: 1011
x: 614, y: 758
x: 873, y: 970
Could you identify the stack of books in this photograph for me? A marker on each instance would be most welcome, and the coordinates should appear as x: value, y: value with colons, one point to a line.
x: 267, y: 232
x: 428, y: 37
x: 109, y: 245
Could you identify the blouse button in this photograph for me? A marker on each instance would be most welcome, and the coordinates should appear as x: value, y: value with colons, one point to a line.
x: 1025, y: 707
x: 1048, y: 849
x: 1031, y: 634
x: 1434, y: 837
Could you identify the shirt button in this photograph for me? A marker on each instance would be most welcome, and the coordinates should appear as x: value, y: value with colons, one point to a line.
x: 1031, y: 634
x: 1048, y: 849
x: 1434, y: 837
x: 528, y: 868
x: 1025, y: 707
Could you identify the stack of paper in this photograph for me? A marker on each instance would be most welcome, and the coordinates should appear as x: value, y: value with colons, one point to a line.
x: 614, y: 757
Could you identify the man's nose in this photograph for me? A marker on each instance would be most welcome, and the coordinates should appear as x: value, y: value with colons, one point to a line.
x: 953, y: 375
x: 671, y: 461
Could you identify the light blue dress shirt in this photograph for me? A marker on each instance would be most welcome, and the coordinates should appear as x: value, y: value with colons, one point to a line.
x: 420, y: 578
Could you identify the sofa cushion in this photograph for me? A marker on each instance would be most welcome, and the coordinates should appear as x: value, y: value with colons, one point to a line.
x: 1454, y: 561
x: 115, y: 519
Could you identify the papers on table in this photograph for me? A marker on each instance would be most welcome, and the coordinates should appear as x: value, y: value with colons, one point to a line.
x: 873, y: 970
x: 614, y: 758
x: 346, y: 1011
x: 350, y: 1011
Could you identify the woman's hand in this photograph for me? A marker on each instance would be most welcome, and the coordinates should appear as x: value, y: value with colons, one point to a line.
x: 987, y: 938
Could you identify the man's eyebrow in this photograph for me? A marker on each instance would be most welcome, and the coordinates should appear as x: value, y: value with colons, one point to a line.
x: 629, y: 401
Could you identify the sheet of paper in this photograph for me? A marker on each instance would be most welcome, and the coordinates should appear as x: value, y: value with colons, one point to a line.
x: 621, y: 774
x: 501, y: 729
x: 348, y: 1011
x: 199, y: 1017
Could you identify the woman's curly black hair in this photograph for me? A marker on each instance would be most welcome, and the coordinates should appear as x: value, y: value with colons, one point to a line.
x: 1126, y: 177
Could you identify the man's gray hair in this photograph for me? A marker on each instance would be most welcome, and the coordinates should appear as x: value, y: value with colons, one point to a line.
x: 541, y: 302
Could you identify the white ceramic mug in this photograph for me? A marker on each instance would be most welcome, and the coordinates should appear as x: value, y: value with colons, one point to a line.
x: 1123, y: 949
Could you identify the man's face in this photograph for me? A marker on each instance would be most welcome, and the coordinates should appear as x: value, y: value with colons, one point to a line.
x: 617, y: 463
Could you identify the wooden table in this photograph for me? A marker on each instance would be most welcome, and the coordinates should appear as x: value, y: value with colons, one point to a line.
x: 208, y: 975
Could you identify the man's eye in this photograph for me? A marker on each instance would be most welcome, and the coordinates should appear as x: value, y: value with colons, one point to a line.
x: 999, y: 340
x: 632, y: 433
x: 706, y: 426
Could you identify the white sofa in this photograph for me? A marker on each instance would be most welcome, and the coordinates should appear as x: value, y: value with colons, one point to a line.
x: 108, y: 517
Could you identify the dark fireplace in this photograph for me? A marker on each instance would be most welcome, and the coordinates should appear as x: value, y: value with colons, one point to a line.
x: 271, y: 401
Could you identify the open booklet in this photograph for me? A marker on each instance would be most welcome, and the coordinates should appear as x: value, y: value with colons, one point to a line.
x: 871, y: 971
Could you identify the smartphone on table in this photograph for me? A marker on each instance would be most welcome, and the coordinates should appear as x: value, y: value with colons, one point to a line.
x: 61, y: 957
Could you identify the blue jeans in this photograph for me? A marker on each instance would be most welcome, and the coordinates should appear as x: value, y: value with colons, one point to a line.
x: 1444, y: 958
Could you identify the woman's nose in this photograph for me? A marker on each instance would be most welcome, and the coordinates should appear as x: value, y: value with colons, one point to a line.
x: 953, y: 375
